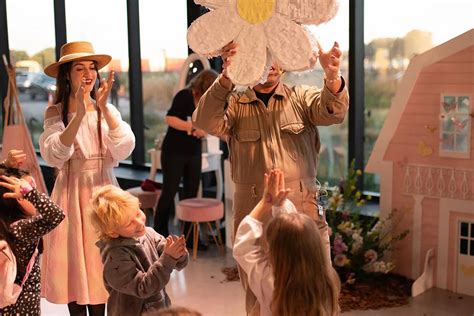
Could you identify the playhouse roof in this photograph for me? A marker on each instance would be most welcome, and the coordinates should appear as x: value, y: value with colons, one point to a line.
x: 404, y: 90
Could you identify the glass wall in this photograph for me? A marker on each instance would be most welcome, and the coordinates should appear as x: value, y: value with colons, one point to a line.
x: 32, y: 45
x: 334, y: 148
x: 164, y: 50
x: 394, y: 33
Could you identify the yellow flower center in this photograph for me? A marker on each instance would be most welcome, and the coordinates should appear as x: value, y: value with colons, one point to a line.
x: 255, y: 11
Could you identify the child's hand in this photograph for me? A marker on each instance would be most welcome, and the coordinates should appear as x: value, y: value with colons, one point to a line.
x: 330, y: 60
x: 175, y: 247
x: 199, y: 133
x: 228, y: 53
x: 103, y: 92
x: 19, y: 187
x: 15, y: 158
x: 182, y: 241
x: 81, y: 107
x: 179, y: 239
x: 274, y: 192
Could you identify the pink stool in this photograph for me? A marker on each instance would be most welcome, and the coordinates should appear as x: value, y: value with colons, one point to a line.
x: 148, y: 201
x: 199, y: 210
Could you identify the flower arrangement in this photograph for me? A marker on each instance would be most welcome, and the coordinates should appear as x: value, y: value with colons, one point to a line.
x: 359, y: 243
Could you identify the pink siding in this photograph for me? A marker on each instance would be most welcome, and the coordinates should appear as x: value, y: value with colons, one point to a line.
x: 463, y: 56
x: 454, y: 74
x: 403, y: 152
x: 449, y: 67
x: 456, y: 63
x: 442, y: 87
x: 402, y: 256
x: 405, y: 205
x: 422, y: 100
x: 461, y: 78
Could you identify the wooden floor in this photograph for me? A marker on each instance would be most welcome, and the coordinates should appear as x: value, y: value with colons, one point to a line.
x: 202, y: 286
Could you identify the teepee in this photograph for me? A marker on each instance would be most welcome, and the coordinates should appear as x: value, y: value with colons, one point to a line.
x: 15, y: 132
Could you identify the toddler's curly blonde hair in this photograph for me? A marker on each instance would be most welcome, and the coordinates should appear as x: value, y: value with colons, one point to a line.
x: 107, y: 205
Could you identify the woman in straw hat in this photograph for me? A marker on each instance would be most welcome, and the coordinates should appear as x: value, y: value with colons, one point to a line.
x: 84, y: 138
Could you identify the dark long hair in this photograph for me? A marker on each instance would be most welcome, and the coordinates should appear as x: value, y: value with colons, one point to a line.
x: 63, y: 90
x: 10, y: 209
x: 10, y: 212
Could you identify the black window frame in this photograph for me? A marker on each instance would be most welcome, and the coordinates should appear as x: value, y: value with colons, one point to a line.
x: 356, y: 72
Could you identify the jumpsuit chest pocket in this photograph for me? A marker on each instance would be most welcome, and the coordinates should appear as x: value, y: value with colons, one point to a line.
x: 249, y: 135
x: 289, y: 137
x: 247, y: 147
x: 292, y: 128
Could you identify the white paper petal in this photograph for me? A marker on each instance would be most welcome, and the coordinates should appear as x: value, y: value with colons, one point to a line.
x: 313, y: 41
x: 263, y: 76
x: 214, y: 4
x: 266, y: 69
x: 210, y: 32
x: 248, y: 64
x: 288, y: 43
x: 307, y: 11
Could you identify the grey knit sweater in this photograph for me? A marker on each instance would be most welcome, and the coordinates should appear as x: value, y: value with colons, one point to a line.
x: 136, y: 272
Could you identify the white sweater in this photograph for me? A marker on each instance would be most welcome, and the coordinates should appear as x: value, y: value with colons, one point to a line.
x: 250, y: 256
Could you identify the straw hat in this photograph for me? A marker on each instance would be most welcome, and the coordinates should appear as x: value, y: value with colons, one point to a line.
x: 74, y: 51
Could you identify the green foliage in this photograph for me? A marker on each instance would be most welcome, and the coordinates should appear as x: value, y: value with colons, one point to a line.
x: 358, y: 243
x: 379, y: 91
x: 45, y: 56
x: 17, y: 55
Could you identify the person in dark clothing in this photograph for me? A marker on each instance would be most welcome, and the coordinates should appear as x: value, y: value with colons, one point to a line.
x: 181, y: 149
x: 114, y: 99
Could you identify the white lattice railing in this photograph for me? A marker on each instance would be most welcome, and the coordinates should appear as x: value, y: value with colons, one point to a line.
x: 437, y: 181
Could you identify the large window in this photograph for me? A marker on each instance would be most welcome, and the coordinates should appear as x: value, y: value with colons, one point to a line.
x: 164, y: 50
x: 333, y: 154
x: 394, y: 33
x: 31, y: 40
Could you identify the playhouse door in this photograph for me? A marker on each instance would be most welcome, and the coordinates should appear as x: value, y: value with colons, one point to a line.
x: 465, y: 262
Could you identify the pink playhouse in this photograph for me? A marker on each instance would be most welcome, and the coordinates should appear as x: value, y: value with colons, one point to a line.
x: 425, y: 158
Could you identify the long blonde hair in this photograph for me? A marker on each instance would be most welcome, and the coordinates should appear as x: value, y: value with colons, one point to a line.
x: 305, y: 281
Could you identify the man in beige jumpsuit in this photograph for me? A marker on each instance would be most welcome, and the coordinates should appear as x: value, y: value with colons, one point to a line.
x: 280, y: 134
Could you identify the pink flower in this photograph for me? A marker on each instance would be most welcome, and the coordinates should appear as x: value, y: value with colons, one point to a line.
x: 340, y: 260
x: 370, y: 256
x: 346, y: 215
x: 351, y: 278
x: 339, y: 246
x: 379, y: 267
x: 357, y: 243
x: 346, y: 227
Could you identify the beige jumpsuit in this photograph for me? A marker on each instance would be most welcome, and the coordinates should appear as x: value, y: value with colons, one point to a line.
x: 281, y: 135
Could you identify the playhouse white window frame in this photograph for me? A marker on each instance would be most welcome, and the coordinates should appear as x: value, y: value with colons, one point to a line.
x: 460, y: 115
